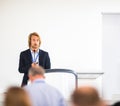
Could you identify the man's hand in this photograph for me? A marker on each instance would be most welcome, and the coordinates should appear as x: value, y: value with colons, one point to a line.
x: 34, y: 64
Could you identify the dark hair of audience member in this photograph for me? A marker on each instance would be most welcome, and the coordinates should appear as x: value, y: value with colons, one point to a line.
x: 116, y: 103
x: 86, y: 96
x: 16, y: 96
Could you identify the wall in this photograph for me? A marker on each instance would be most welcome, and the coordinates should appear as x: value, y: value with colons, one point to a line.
x: 71, y: 32
x: 111, y: 55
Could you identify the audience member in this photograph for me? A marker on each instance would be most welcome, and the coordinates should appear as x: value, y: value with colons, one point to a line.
x: 86, y: 96
x: 16, y: 96
x: 41, y: 93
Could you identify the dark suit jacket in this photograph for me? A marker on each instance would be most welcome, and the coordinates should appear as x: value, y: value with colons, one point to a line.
x: 25, y: 62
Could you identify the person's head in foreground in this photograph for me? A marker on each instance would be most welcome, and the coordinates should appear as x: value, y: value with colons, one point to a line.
x: 86, y: 96
x: 16, y: 96
x: 36, y: 72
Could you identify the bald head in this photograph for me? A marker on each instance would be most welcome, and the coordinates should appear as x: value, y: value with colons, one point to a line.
x: 86, y: 96
x: 36, y: 72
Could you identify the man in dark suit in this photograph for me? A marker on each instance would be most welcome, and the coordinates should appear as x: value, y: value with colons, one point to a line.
x: 32, y: 57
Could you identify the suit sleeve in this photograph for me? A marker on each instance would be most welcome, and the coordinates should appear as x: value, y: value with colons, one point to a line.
x: 48, y: 63
x: 23, y: 67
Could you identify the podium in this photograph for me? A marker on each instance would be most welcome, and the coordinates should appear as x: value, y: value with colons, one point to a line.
x: 65, y: 80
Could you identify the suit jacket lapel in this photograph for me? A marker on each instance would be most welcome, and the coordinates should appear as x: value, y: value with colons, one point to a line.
x: 40, y: 57
x: 29, y: 56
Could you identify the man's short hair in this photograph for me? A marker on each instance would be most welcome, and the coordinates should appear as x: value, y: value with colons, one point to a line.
x: 85, y: 96
x: 36, y: 70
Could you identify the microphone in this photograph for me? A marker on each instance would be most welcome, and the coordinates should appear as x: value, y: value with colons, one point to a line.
x: 34, y: 56
x: 34, y: 51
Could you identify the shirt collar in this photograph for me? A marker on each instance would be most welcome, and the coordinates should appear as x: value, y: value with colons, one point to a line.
x: 39, y: 80
x: 35, y: 52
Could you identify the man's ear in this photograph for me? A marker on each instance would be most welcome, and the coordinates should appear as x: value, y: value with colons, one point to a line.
x: 43, y: 76
x: 29, y: 76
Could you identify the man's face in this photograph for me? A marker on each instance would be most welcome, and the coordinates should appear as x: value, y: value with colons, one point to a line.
x: 34, y: 43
